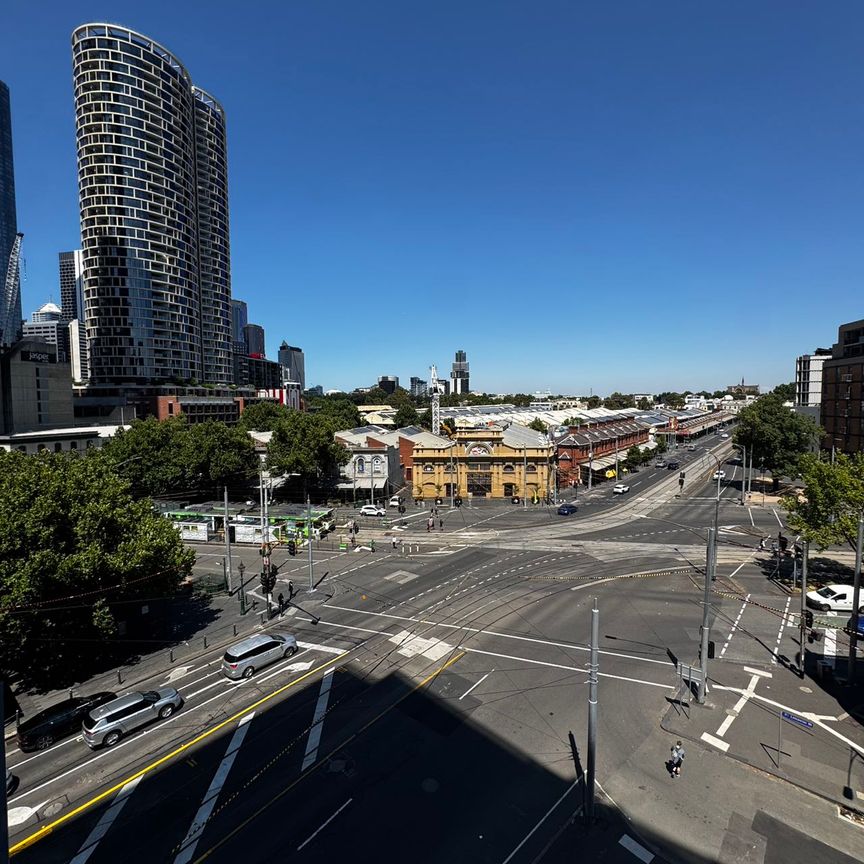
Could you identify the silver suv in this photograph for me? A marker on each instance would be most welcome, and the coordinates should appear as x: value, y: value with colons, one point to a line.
x: 241, y: 660
x: 106, y: 725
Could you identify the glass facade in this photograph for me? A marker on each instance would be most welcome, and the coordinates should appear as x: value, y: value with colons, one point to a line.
x: 8, y: 217
x: 152, y: 179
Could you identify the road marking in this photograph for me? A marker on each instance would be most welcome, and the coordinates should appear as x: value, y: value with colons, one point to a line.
x: 475, y: 685
x: 545, y: 816
x: 102, y: 826
x: 780, y: 632
x: 829, y: 646
x: 317, y: 721
x: 750, y: 511
x: 81, y: 808
x: 40, y: 753
x: 297, y: 666
x: 193, y: 835
x: 758, y: 671
x: 571, y: 668
x: 639, y: 851
x: 314, y: 646
x: 208, y: 687
x: 739, y: 706
x: 320, y: 828
x: 735, y: 625
x: 717, y: 742
x: 779, y: 521
x: 19, y: 815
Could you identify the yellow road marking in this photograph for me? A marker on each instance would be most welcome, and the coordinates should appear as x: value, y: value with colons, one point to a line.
x: 324, y: 759
x: 36, y: 836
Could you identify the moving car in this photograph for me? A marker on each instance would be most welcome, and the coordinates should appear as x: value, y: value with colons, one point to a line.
x: 719, y: 475
x: 57, y: 721
x: 394, y: 501
x: 567, y: 509
x: 850, y: 625
x: 724, y: 435
x: 691, y: 447
x: 673, y: 465
x: 106, y: 725
x: 372, y: 510
x: 241, y: 660
x: 660, y: 463
x: 620, y: 488
x: 832, y: 598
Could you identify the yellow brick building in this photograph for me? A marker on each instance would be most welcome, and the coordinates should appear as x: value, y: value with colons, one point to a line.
x: 491, y: 462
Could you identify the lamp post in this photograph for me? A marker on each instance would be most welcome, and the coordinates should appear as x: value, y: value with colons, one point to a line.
x: 717, y: 501
x: 744, y: 471
x: 453, y: 476
x: 241, y: 569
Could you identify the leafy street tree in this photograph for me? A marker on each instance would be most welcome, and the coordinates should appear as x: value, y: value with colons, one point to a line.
x: 634, y: 456
x: 671, y: 399
x: 215, y: 453
x: 262, y: 416
x: 399, y: 398
x: 339, y: 408
x: 618, y: 400
x: 425, y: 419
x: 644, y: 404
x: 827, y: 512
x: 406, y: 415
x: 776, y: 436
x: 303, y: 444
x: 537, y: 424
x: 784, y: 392
x: 74, y: 543
x: 593, y: 401
x: 662, y: 446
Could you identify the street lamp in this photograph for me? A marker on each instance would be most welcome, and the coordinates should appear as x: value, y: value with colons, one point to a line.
x: 717, y: 501
x: 744, y: 472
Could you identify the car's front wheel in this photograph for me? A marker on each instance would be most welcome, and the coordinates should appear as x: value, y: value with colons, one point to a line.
x: 825, y: 607
x: 166, y: 711
x: 43, y: 742
x: 290, y: 652
x: 111, y: 738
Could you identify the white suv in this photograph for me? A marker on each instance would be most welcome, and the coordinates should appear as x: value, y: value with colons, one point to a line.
x: 372, y: 510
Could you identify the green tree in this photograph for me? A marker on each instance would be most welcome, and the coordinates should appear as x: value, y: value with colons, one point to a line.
x: 662, y: 446
x: 537, y: 424
x: 406, y: 415
x: 618, y: 400
x: 425, y: 419
x: 671, y: 399
x: 593, y: 401
x: 827, y: 512
x: 215, y: 453
x: 776, y: 436
x: 784, y: 392
x: 634, y: 457
x: 339, y: 408
x: 303, y: 444
x: 399, y: 398
x: 262, y: 416
x: 74, y: 544
x: 644, y: 404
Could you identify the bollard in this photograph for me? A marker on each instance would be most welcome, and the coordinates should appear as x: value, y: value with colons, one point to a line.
x: 235, y: 629
x: 261, y: 617
x: 119, y: 679
x: 205, y: 642
x: 70, y: 692
x: 171, y: 655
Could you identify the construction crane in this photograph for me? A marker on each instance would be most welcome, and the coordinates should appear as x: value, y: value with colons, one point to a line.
x: 436, y: 400
x: 10, y: 302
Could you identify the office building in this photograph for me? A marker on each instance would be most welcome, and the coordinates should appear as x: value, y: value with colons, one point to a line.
x: 45, y: 324
x: 71, y: 266
x: 292, y: 360
x: 239, y: 320
x: 389, y: 383
x: 10, y: 306
x: 419, y: 387
x: 460, y: 383
x: 843, y: 391
x: 253, y: 336
x: 808, y: 378
x: 153, y: 187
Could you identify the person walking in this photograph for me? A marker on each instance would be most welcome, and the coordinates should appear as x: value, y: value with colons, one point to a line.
x: 762, y: 544
x: 393, y: 543
x: 441, y: 524
x: 677, y: 758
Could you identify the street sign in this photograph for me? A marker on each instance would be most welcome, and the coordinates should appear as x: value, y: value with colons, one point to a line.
x: 798, y: 721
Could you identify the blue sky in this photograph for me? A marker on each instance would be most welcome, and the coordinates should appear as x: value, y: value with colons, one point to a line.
x: 634, y: 196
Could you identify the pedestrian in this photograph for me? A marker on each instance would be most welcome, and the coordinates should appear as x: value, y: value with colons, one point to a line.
x: 677, y: 759
x: 393, y: 543
x: 428, y: 524
x: 441, y: 524
x: 281, y: 603
x: 762, y: 544
x: 371, y: 545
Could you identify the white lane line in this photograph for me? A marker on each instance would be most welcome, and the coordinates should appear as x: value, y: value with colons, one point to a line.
x: 105, y: 822
x: 208, y: 687
x: 719, y: 743
x: 52, y: 749
x: 347, y: 627
x: 475, y: 685
x: 639, y: 851
x: 571, y: 668
x: 545, y: 816
x: 314, y: 740
x: 318, y: 830
x: 314, y: 646
x: 779, y: 521
x: 829, y: 646
x: 758, y: 671
x: 780, y: 632
x: 739, y: 706
x: 735, y: 625
x: 193, y: 835
x: 750, y: 511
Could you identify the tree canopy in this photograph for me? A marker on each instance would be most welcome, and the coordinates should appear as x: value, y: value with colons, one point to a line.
x: 339, y: 408
x: 262, y: 416
x: 73, y: 544
x: 827, y: 512
x: 303, y: 444
x: 406, y: 415
x: 776, y: 436
x: 618, y: 400
x: 784, y: 392
x: 537, y: 424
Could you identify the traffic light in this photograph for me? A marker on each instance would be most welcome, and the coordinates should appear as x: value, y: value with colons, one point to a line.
x: 458, y: 501
x: 808, y: 618
x: 268, y: 580
x: 799, y: 551
x: 265, y: 550
x: 784, y: 542
x: 292, y: 548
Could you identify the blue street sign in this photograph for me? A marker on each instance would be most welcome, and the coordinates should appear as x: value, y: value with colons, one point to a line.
x: 798, y: 721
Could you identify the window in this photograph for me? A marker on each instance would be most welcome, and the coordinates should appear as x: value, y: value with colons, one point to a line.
x: 376, y: 465
x: 531, y: 469
x: 360, y: 465
x: 58, y: 447
x: 508, y: 468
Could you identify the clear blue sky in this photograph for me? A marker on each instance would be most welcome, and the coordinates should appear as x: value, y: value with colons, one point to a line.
x: 634, y: 196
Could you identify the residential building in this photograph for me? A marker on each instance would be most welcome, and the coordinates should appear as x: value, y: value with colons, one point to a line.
x: 239, y: 320
x: 10, y: 308
x: 460, y: 383
x: 71, y: 267
x: 808, y: 382
x: 263, y: 374
x: 153, y: 188
x: 419, y: 387
x: 291, y: 358
x: 843, y: 391
x: 253, y: 336
x: 389, y: 383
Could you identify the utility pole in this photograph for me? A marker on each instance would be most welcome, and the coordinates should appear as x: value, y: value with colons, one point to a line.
x: 228, y: 543
x: 592, y: 714
x: 743, y: 474
x: 4, y: 823
x: 524, y: 476
x: 856, y: 600
x: 710, y: 563
x: 802, y: 627
x: 241, y: 569
x: 309, y: 541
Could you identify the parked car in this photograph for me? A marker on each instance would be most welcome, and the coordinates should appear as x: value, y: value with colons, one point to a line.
x: 106, y: 725
x: 850, y: 626
x: 372, y: 510
x: 832, y: 598
x: 719, y: 475
x: 255, y: 652
x: 660, y: 463
x: 691, y: 447
x: 567, y: 509
x: 673, y: 465
x: 394, y: 501
x: 57, y: 721
x: 620, y: 488
x: 724, y: 435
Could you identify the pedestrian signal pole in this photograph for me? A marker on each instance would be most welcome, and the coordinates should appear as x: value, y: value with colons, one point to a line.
x: 592, y: 714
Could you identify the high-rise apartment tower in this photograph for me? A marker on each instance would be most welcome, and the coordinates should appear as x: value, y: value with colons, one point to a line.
x: 153, y: 187
x: 10, y: 306
x: 459, y: 374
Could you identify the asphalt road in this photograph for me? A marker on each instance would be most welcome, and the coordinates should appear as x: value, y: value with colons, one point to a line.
x: 430, y: 712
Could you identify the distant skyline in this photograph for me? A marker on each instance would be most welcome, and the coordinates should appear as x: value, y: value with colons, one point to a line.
x: 639, y: 198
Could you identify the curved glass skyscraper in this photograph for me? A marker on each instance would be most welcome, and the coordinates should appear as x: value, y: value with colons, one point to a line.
x: 153, y: 186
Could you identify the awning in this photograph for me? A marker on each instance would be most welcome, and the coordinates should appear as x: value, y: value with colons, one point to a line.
x: 362, y: 483
x: 651, y: 445
x: 600, y: 464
